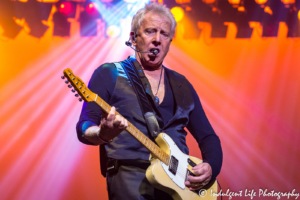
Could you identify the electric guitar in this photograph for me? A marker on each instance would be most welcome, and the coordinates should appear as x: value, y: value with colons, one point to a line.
x: 169, y: 167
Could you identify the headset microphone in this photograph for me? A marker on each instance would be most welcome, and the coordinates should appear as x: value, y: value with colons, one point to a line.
x: 128, y: 43
x: 152, y: 51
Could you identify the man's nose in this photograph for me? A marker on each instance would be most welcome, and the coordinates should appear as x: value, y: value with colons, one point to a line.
x: 157, y: 38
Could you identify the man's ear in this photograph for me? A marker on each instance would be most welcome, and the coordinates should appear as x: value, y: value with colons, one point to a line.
x: 132, y: 38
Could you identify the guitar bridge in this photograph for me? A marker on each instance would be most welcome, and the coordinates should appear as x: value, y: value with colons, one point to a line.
x: 173, y: 165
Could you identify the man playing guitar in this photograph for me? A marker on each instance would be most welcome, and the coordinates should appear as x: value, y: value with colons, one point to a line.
x: 175, y: 102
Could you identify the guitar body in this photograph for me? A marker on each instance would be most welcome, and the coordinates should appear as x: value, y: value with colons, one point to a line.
x: 171, y: 181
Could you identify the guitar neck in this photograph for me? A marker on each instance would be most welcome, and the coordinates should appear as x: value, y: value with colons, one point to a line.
x: 155, y: 150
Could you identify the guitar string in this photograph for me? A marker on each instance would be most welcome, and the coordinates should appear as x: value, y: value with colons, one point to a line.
x: 180, y: 174
x: 183, y: 176
x: 181, y: 171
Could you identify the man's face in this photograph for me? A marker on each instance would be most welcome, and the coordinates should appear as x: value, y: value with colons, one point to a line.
x: 154, y: 33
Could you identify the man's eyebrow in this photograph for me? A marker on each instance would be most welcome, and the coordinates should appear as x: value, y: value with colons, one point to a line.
x: 164, y: 31
x: 151, y: 29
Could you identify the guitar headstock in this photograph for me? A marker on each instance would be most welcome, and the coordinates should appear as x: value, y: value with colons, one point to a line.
x: 79, y: 86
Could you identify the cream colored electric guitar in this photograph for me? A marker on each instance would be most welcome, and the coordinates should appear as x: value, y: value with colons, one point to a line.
x: 169, y: 167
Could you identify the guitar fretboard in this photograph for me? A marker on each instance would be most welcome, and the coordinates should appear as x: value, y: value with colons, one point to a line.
x: 155, y: 150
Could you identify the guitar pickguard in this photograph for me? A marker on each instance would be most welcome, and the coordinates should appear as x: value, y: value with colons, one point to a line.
x: 179, y: 176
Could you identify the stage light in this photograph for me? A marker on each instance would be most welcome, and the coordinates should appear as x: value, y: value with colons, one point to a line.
x: 67, y: 8
x: 288, y: 1
x: 92, y: 9
x: 239, y: 4
x: 241, y: 9
x: 234, y: 1
x: 215, y: 9
x: 268, y: 10
x: 261, y: 1
x: 209, y: 1
x: 182, y: 1
x: 178, y: 13
x: 299, y: 14
x: 130, y: 1
x: 46, y: 1
x: 113, y: 31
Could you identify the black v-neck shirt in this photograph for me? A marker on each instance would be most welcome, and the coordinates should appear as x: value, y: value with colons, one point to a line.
x: 167, y: 106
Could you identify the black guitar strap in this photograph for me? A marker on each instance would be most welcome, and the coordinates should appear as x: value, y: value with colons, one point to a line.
x: 145, y: 105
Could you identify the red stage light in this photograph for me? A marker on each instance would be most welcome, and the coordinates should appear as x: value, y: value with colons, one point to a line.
x: 66, y: 8
x: 91, y: 9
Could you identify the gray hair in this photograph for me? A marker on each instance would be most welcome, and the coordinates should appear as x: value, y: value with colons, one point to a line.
x: 155, y: 8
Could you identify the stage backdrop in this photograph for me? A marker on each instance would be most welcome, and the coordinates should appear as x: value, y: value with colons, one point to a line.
x: 249, y: 88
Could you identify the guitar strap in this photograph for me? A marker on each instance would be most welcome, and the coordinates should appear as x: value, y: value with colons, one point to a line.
x: 146, y: 108
x: 143, y: 100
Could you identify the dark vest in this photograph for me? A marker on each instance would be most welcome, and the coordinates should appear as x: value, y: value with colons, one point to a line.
x: 124, y: 146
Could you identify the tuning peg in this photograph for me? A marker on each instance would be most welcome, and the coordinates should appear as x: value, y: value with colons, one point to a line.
x: 63, y: 77
x: 80, y: 99
x: 76, y: 95
x: 66, y: 81
x: 69, y: 86
x: 73, y: 90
